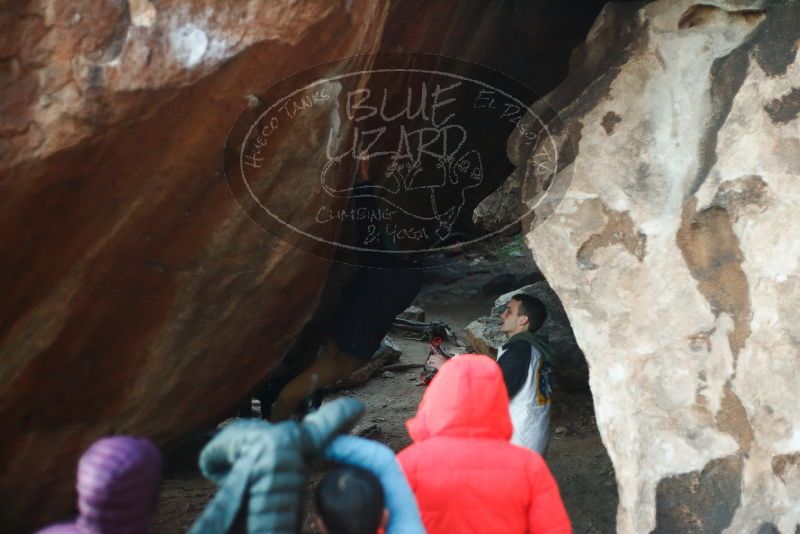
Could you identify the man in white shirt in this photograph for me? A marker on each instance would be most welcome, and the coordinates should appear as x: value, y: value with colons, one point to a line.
x: 525, y: 360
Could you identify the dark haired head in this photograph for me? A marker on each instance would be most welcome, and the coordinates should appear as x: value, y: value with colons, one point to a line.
x: 533, y: 309
x: 350, y: 501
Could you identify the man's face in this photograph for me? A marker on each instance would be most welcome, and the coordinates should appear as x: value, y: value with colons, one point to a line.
x: 511, y: 321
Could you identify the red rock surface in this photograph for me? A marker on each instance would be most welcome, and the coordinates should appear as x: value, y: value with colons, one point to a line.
x: 137, y: 296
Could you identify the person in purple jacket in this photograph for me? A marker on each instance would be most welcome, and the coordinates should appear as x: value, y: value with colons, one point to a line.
x: 118, y: 483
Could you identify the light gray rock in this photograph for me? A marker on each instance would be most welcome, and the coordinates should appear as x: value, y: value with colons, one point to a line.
x: 505, y: 282
x: 501, y: 211
x: 670, y: 233
x: 413, y: 313
x: 484, y: 335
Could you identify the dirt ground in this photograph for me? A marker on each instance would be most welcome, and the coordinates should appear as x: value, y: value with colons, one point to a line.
x: 458, y: 294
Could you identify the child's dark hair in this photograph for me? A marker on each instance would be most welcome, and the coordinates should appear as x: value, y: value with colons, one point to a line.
x: 350, y: 501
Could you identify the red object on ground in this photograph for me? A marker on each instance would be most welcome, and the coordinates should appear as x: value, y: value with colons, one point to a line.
x: 436, y: 358
x: 465, y: 473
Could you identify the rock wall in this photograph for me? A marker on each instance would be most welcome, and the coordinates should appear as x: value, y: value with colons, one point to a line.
x: 670, y: 235
x: 501, y: 209
x: 137, y: 296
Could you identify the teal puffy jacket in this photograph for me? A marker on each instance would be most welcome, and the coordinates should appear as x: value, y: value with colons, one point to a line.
x: 261, y: 470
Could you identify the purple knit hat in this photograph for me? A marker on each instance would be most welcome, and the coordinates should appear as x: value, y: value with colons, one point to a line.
x: 61, y: 528
x: 118, y: 483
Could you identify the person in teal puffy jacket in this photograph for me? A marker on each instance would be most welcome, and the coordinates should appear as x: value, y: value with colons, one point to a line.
x: 262, y: 470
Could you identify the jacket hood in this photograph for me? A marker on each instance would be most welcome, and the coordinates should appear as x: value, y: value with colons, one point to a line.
x: 468, y: 398
x: 540, y: 343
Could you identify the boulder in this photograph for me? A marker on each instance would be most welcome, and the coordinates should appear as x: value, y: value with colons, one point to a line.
x: 413, y: 313
x: 670, y: 234
x: 440, y: 270
x: 138, y: 297
x: 502, y: 210
x: 484, y: 335
x: 388, y: 352
x: 505, y: 282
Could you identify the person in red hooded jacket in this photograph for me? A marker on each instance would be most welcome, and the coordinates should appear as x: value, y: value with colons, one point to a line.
x: 464, y: 471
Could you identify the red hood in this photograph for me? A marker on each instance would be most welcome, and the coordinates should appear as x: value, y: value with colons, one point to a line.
x: 467, y: 397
